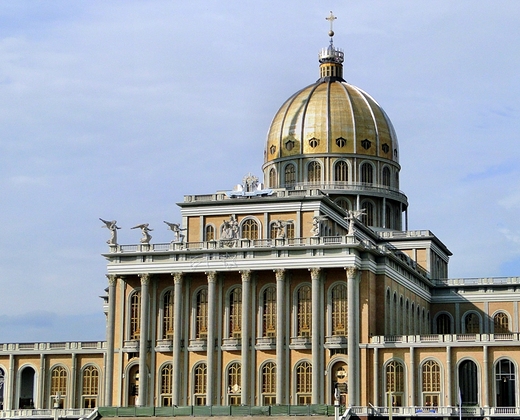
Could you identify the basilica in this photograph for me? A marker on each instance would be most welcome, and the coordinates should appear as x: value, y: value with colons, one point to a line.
x: 299, y: 289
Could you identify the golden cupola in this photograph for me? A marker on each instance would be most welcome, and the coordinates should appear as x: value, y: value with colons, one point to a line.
x: 335, y: 137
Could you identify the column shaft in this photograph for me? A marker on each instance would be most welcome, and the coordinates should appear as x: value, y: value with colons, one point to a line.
x: 109, y: 368
x: 315, y: 338
x: 212, y: 299
x: 280, y: 336
x: 353, y: 336
x: 143, y: 342
x: 176, y: 345
x: 246, y: 332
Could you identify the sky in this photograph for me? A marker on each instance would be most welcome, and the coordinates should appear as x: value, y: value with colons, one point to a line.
x: 117, y: 109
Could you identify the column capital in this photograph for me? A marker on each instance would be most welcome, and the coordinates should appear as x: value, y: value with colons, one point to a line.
x: 212, y: 276
x: 112, y: 279
x: 145, y: 279
x: 351, y: 271
x: 315, y: 273
x: 280, y: 274
x: 177, y: 277
x: 246, y: 275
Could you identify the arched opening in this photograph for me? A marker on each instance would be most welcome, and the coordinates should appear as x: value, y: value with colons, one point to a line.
x: 133, y: 385
x: 2, y: 380
x: 339, y: 382
x: 26, y: 396
x: 468, y: 383
x: 505, y: 379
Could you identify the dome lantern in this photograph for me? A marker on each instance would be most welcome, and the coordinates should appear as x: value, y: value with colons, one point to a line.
x: 331, y: 58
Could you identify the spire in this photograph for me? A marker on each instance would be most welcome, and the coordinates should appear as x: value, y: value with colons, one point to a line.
x: 331, y: 58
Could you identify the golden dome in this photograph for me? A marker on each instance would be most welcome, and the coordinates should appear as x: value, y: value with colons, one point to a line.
x: 331, y: 116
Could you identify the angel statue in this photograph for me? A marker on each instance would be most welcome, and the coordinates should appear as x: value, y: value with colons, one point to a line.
x: 111, y: 225
x: 352, y: 216
x: 144, y: 230
x: 176, y: 229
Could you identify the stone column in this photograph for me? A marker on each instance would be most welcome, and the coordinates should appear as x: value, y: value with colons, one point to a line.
x: 74, y: 380
x: 176, y: 345
x: 10, y: 403
x: 448, y: 376
x: 353, y: 336
x: 315, y: 336
x: 246, y: 332
x: 376, y: 376
x: 109, y: 369
x: 212, y: 300
x: 40, y: 403
x: 280, y: 335
x: 412, y: 378
x: 485, y: 377
x: 143, y: 341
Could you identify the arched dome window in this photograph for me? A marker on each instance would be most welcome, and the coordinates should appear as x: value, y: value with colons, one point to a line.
x: 290, y: 175
x: 367, y: 173
x: 314, y: 172
x: 369, y: 216
x: 386, y: 176
x: 341, y: 171
x: 272, y: 178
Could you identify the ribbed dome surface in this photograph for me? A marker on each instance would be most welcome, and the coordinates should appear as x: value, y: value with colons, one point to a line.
x: 331, y: 116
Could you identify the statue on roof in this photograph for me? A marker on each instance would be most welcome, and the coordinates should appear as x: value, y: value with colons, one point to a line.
x: 111, y: 225
x: 177, y: 231
x: 144, y: 230
x: 352, y: 216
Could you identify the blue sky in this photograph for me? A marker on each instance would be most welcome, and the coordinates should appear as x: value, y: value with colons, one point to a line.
x: 118, y: 109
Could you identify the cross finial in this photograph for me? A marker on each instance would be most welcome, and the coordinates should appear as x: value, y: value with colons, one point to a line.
x: 331, y: 18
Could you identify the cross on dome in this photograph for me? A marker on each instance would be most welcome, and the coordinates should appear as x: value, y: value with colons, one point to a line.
x: 331, y: 18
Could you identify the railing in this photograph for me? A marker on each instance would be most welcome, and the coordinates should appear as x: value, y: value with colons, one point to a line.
x: 50, y: 347
x: 69, y: 413
x: 446, y: 338
x: 476, y: 281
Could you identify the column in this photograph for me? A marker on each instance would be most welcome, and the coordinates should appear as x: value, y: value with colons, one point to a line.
x: 143, y: 341
x: 376, y: 376
x: 176, y: 345
x: 280, y: 335
x: 485, y: 377
x: 246, y: 332
x: 40, y: 403
x: 448, y: 376
x: 73, y: 381
x: 412, y: 377
x: 353, y: 336
x: 212, y: 299
x: 10, y: 403
x: 315, y: 335
x: 109, y: 369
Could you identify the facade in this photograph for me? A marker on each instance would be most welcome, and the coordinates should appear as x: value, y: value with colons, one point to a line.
x: 292, y: 291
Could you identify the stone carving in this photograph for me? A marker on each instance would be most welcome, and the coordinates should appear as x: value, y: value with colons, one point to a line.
x: 250, y: 187
x: 281, y: 228
x: 316, y: 230
x: 111, y: 225
x: 352, y: 216
x: 177, y: 231
x: 230, y: 229
x: 144, y: 230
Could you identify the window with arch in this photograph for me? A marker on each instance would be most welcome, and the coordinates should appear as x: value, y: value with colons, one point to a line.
x: 166, y: 385
x: 268, y: 376
x: 443, y: 324
x: 200, y: 374
x: 59, y: 384
x: 304, y: 314
x: 135, y: 315
x: 269, y: 312
x: 290, y: 175
x: 505, y: 383
x: 468, y: 383
x: 290, y: 230
x: 314, y: 172
x: 235, y: 313
x: 90, y: 388
x: 431, y: 383
x: 339, y: 310
x: 343, y: 203
x: 395, y: 383
x: 303, y: 383
x: 369, y: 217
x: 501, y: 323
x: 201, y: 317
x: 167, y: 323
x: 386, y: 176
x: 367, y: 173
x: 209, y: 233
x: 2, y: 380
x: 272, y: 178
x: 234, y: 383
x: 388, y: 217
x: 341, y: 171
x: 472, y: 323
x: 388, y: 312
x: 250, y: 229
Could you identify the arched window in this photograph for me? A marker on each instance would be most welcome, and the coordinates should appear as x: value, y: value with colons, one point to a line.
x: 135, y: 315
x: 304, y: 314
x: 395, y: 383
x: 314, y: 172
x: 468, y: 383
x: 272, y: 178
x: 367, y: 173
x: 290, y: 230
x: 234, y: 384
x: 167, y: 324
x: 269, y: 312
x: 90, y: 388
x: 290, y: 175
x: 443, y: 324
x: 369, y: 217
x: 386, y: 176
x: 201, y: 327
x: 303, y: 383
x: 199, y: 384
x: 250, y: 229
x: 472, y: 323
x: 2, y: 380
x: 166, y: 385
x: 501, y: 323
x: 388, y: 217
x: 209, y: 233
x: 269, y: 384
x: 431, y: 383
x: 235, y: 313
x: 58, y: 385
x: 343, y: 203
x: 339, y: 310
x: 341, y: 171
x: 505, y: 383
